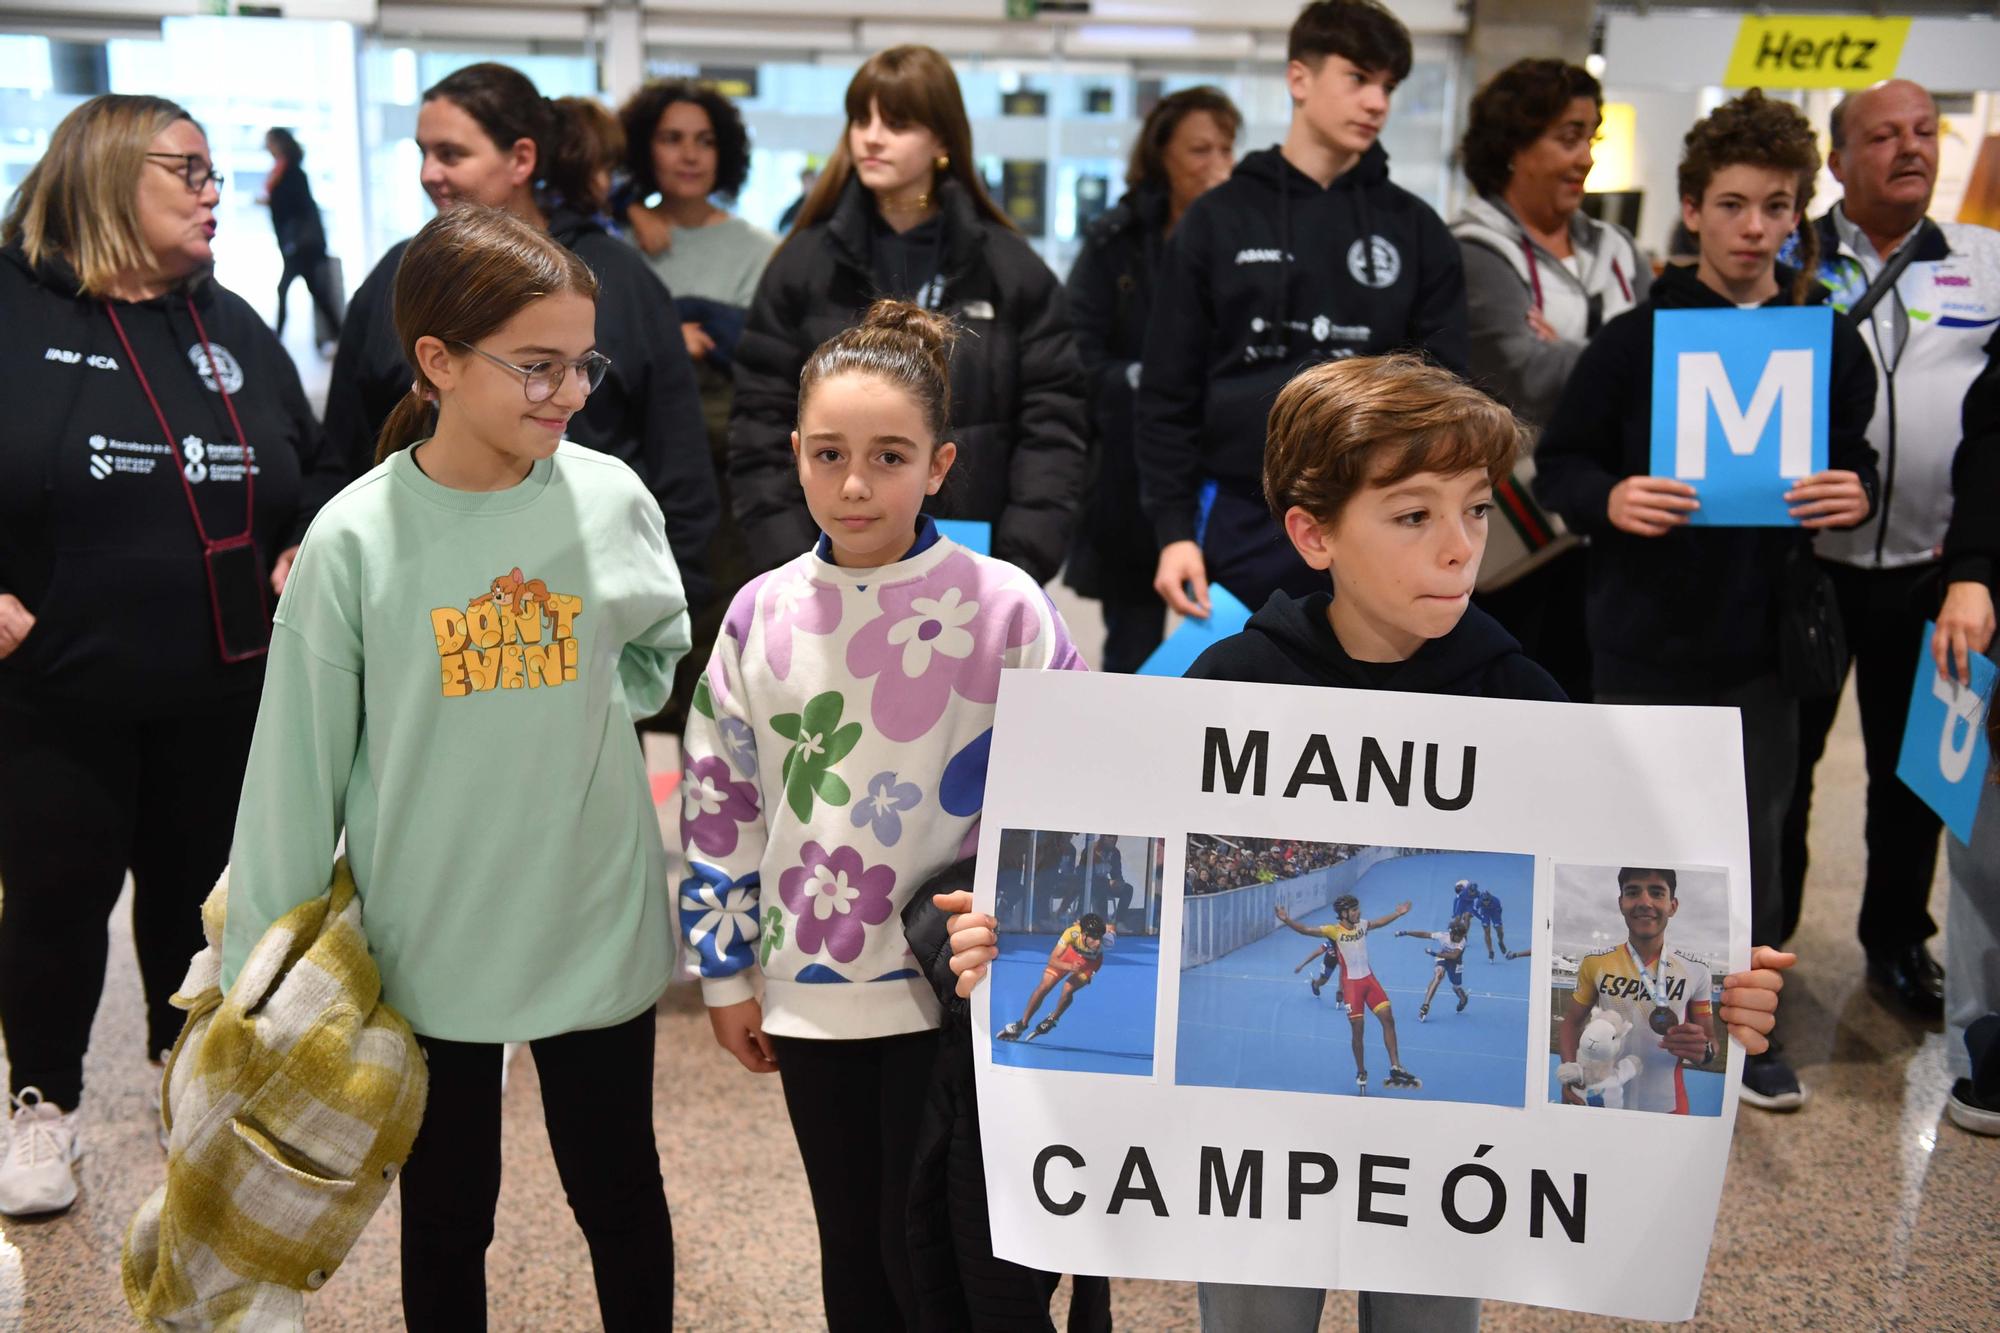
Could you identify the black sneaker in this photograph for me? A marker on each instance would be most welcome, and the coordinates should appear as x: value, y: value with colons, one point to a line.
x: 1400, y: 1077
x: 1045, y: 1027
x: 1770, y: 1085
x: 1463, y: 999
x: 1969, y: 1113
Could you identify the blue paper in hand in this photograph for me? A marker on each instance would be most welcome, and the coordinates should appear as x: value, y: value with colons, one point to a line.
x: 1740, y: 406
x: 1226, y: 616
x: 972, y: 535
x: 1945, y: 756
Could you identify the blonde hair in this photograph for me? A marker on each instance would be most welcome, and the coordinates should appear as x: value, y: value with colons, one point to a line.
x: 1378, y: 420
x: 80, y: 203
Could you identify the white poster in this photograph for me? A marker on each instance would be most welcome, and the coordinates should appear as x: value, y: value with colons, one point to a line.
x: 1421, y: 998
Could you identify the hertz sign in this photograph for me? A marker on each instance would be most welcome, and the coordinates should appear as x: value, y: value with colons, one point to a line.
x: 1788, y: 51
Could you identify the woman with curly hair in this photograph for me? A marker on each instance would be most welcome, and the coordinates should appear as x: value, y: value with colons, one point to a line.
x: 1541, y: 279
x: 686, y: 144
x: 1680, y: 614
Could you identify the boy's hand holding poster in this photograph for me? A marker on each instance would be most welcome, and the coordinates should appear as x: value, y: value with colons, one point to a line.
x: 1740, y: 407
x: 1380, y: 991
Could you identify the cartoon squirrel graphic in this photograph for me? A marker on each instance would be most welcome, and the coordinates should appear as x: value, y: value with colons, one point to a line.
x: 517, y: 594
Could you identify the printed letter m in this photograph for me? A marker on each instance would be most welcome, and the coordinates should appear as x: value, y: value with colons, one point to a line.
x: 1787, y: 380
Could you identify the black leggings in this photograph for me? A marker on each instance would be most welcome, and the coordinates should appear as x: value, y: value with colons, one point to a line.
x: 313, y: 269
x: 855, y: 1107
x: 81, y: 802
x: 597, y: 1099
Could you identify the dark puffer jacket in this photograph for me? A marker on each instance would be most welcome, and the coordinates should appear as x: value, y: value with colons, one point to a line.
x: 1110, y: 301
x: 1017, y: 387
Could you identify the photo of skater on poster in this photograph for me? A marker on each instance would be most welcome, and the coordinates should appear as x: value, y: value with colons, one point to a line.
x: 1395, y: 993
x: 1638, y: 952
x: 1077, y: 979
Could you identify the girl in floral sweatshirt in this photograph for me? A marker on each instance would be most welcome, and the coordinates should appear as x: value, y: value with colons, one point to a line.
x: 835, y: 760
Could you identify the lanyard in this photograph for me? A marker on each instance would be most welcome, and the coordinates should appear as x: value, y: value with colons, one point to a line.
x: 1535, y: 273
x: 1656, y: 985
x: 187, y: 489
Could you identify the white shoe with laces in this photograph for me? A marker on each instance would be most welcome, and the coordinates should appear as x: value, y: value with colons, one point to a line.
x: 42, y: 1147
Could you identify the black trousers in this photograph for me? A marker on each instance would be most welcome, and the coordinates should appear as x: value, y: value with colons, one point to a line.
x: 1770, y: 753
x: 855, y: 1108
x: 1884, y: 619
x: 1133, y: 628
x: 597, y: 1098
x: 1544, y: 610
x: 81, y: 802
x: 1247, y: 552
x: 313, y: 269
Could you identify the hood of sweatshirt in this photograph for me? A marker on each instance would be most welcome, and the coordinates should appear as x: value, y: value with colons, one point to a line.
x: 1290, y: 641
x: 1679, y: 289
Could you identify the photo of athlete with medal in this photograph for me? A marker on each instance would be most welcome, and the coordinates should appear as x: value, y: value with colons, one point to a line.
x: 1663, y: 998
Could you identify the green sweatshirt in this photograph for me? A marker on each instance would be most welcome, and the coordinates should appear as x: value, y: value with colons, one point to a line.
x: 454, y: 678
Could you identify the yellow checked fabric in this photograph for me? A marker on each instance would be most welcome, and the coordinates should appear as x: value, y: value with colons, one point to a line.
x: 290, y: 1106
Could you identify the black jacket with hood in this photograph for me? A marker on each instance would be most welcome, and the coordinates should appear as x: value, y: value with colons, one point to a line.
x: 1016, y: 385
x: 1110, y: 290
x: 95, y: 535
x: 1266, y: 274
x: 1291, y: 642
x: 647, y: 411
x: 1694, y: 611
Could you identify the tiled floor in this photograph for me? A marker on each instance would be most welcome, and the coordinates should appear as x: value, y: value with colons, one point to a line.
x: 1867, y: 1210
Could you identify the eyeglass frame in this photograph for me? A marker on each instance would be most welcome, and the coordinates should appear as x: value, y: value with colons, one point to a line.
x: 527, y: 373
x: 186, y: 173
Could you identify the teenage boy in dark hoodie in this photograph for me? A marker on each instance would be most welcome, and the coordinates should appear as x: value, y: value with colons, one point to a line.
x: 1306, y: 253
x: 1382, y: 472
x: 1691, y: 615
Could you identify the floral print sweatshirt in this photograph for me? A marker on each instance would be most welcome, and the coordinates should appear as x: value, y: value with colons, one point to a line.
x: 835, y: 760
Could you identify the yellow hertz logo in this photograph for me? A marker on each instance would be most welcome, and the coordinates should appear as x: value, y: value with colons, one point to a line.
x: 1789, y: 51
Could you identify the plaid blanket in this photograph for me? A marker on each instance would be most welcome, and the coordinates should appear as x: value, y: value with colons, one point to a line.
x: 290, y: 1105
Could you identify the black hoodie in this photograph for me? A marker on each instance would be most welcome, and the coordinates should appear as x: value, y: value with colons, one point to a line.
x: 647, y: 412
x: 95, y: 534
x: 1017, y: 411
x: 1291, y: 642
x: 1266, y: 274
x: 1695, y: 611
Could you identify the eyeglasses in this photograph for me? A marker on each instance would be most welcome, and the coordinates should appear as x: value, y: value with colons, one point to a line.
x: 195, y: 169
x: 541, y: 380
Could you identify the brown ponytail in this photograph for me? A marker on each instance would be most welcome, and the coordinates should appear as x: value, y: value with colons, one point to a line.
x: 468, y: 272
x: 906, y: 345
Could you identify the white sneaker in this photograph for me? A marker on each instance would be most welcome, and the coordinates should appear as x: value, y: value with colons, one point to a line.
x: 43, y: 1145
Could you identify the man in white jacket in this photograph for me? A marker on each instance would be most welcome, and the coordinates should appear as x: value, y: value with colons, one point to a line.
x: 1931, y: 335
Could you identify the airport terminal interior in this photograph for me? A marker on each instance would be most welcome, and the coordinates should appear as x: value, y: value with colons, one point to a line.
x: 1867, y: 1208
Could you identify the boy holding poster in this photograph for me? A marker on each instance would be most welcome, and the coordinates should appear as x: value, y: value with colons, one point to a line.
x: 1692, y: 614
x: 1381, y: 470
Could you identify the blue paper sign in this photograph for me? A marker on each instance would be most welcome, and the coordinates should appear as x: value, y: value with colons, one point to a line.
x: 973, y: 536
x: 1739, y: 407
x: 1945, y: 756
x: 1226, y: 616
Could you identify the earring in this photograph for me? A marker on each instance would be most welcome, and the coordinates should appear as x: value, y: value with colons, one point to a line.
x: 942, y: 163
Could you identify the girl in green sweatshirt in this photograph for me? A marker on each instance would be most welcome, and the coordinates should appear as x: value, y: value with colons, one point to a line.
x: 469, y: 634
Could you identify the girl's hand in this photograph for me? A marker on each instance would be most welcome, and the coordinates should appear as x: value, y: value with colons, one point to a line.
x: 1541, y: 328
x: 975, y: 939
x: 1964, y: 627
x: 699, y: 344
x: 739, y: 1029
x: 1832, y: 499
x: 1750, y: 999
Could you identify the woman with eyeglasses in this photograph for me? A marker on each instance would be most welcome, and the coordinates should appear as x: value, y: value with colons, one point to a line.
x: 488, y: 137
x: 158, y: 471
